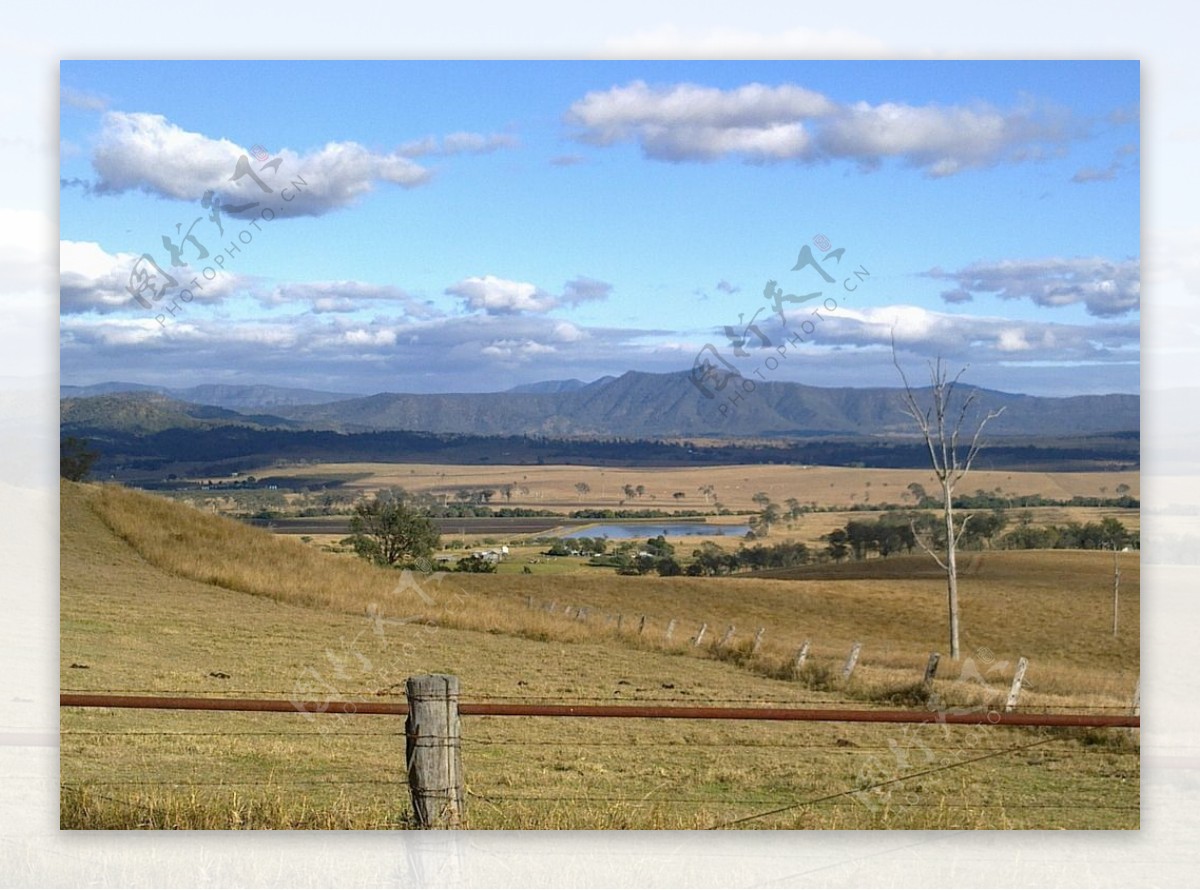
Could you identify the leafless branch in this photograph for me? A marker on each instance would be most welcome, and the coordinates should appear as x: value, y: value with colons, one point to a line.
x: 925, y: 544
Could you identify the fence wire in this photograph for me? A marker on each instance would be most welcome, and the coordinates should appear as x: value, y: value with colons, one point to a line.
x: 482, y: 750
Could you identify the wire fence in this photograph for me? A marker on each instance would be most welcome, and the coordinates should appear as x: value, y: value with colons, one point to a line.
x: 716, y: 767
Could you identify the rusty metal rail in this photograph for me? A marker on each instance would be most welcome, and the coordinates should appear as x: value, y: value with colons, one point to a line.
x: 504, y: 709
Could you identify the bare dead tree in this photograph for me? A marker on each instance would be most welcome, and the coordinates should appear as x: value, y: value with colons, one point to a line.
x: 941, y: 424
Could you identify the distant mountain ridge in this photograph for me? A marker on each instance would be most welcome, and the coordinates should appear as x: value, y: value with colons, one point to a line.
x: 235, y: 397
x: 571, y: 385
x: 145, y: 412
x: 642, y: 405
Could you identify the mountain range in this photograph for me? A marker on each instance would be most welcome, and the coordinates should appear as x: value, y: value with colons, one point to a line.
x: 635, y: 405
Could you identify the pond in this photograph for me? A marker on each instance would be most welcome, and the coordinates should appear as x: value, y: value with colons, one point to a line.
x: 651, y: 529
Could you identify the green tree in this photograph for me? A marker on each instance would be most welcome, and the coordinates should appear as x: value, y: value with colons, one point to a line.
x: 387, y: 532
x: 660, y: 547
x: 476, y: 564
x: 75, y: 459
x: 838, y: 546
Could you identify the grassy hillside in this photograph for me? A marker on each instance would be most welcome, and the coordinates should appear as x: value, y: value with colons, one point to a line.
x: 160, y: 598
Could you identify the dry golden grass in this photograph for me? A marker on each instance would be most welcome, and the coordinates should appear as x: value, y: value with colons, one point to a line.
x: 1053, y: 606
x: 552, y: 487
x: 146, y: 617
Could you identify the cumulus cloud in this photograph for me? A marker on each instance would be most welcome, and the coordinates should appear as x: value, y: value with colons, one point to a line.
x: 690, y: 122
x: 457, y: 144
x: 1106, y: 288
x: 346, y: 296
x: 478, y: 352
x: 501, y: 296
x: 978, y: 338
x: 686, y: 122
x: 146, y: 152
x: 93, y: 280
x: 516, y: 350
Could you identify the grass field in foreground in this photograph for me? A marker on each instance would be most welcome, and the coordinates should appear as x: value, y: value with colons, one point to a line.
x: 174, y: 601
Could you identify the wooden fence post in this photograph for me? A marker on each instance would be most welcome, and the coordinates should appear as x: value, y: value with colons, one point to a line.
x: 931, y: 669
x: 851, y: 661
x: 801, y: 656
x: 758, y: 637
x: 1018, y: 678
x: 1137, y: 697
x: 1116, y: 586
x: 433, y: 751
x: 726, y: 637
x: 700, y: 634
x: 620, y: 618
x: 670, y: 630
x: 641, y: 625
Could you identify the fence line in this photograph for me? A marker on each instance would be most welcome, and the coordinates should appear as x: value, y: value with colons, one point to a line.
x: 434, y: 742
x: 509, y: 709
x: 527, y: 697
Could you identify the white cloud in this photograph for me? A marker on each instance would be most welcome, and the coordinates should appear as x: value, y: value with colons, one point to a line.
x: 149, y: 153
x: 93, y: 280
x: 477, y: 352
x: 516, y: 350
x: 501, y: 296
x: 346, y: 296
x: 565, y: 332
x: 363, y: 337
x: 686, y: 122
x: 976, y: 338
x: 689, y: 122
x: 458, y: 143
x: 1106, y: 288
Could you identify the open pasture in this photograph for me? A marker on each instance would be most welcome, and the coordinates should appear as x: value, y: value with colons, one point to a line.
x: 158, y: 598
x: 553, y: 487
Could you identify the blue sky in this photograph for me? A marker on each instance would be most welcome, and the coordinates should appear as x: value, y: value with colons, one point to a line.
x: 470, y: 226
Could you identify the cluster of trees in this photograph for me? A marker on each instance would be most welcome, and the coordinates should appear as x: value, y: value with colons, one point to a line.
x: 996, y: 500
x: 904, y: 532
x: 886, y: 535
x: 575, y: 546
x: 605, y: 513
x: 1107, y: 534
x: 657, y: 555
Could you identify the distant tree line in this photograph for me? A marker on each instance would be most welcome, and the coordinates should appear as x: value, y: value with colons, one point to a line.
x: 895, y: 533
